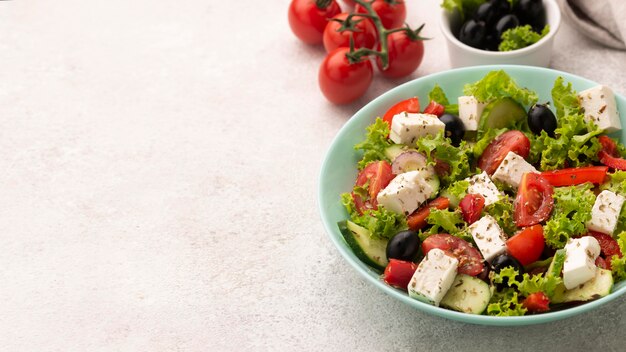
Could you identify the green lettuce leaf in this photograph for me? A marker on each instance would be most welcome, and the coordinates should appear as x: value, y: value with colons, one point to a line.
x: 529, y: 283
x: 440, y: 147
x: 572, y: 210
x: 505, y: 303
x: 502, y: 211
x: 446, y: 221
x: 565, y: 99
x: 465, y: 7
x: 617, y: 184
x: 375, y: 143
x: 381, y: 223
x: 521, y: 37
x: 618, y: 265
x: 498, y: 84
x: 455, y: 192
x: 437, y: 95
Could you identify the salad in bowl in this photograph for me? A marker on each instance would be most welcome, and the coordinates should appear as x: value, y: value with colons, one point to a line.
x: 499, y: 202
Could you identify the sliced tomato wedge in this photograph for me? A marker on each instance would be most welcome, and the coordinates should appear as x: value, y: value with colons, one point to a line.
x: 472, y: 206
x: 576, y: 176
x: 470, y: 260
x: 608, y: 245
x: 537, y: 302
x: 496, y: 151
x: 375, y: 176
x: 527, y: 245
x: 609, y: 155
x: 411, y: 105
x: 398, y: 273
x: 417, y: 220
x: 434, y: 108
x: 534, y: 201
x: 603, y: 263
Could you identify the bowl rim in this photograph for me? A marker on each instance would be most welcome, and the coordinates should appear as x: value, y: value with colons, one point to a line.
x: 364, y: 270
x: 445, y: 29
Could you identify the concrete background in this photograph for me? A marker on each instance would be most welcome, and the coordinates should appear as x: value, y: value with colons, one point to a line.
x: 159, y: 165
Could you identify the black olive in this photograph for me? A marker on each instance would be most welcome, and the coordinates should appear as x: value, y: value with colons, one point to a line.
x: 506, y: 22
x: 404, y: 246
x: 541, y: 118
x: 454, y: 128
x: 503, y: 6
x: 531, y: 12
x: 472, y: 33
x: 492, y: 41
x: 487, y: 13
x: 504, y: 260
x: 484, y: 275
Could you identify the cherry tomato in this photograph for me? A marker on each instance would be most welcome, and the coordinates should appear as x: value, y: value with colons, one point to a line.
x: 471, y: 206
x: 364, y: 34
x: 576, y: 176
x: 470, y: 260
x: 511, y: 141
x: 527, y: 245
x: 392, y: 13
x: 609, y: 155
x: 405, y: 55
x: 341, y: 81
x: 534, y: 201
x: 308, y: 18
x: 537, y: 302
x: 434, y: 108
x: 398, y: 273
x: 608, y: 245
x: 417, y: 220
x: 411, y: 105
x: 375, y: 176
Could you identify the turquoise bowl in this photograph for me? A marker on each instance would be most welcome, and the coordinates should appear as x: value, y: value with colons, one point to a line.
x: 339, y: 172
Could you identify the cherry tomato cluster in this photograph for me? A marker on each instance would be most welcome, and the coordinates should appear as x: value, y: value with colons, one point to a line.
x: 373, y: 29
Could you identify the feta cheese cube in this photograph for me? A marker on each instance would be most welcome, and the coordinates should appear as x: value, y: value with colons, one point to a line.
x: 580, y: 256
x: 489, y: 237
x: 605, y: 212
x: 405, y: 193
x: 511, y: 170
x: 482, y: 184
x: 470, y: 110
x: 433, y: 277
x: 600, y: 107
x: 407, y: 128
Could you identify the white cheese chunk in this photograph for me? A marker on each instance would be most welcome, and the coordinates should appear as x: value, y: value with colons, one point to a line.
x: 482, y: 184
x: 580, y: 257
x: 470, y: 110
x: 433, y: 277
x: 489, y: 237
x: 407, y: 128
x: 511, y: 170
x: 600, y: 107
x: 605, y: 212
x: 405, y: 193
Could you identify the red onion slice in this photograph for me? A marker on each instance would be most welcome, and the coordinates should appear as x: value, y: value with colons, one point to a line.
x: 410, y: 161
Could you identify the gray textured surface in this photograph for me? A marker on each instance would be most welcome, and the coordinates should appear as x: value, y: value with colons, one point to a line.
x: 160, y: 163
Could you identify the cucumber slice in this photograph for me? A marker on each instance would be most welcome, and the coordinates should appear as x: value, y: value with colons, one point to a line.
x: 467, y: 294
x: 599, y: 286
x: 371, y: 251
x: 501, y: 113
x: 433, y: 181
x: 556, y: 266
x: 394, y: 150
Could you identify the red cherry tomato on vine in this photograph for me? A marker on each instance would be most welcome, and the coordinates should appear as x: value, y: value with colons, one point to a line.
x: 341, y: 81
x: 364, y: 34
x: 392, y: 13
x: 405, y: 55
x: 308, y: 18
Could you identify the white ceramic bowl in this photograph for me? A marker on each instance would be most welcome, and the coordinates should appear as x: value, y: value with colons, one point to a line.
x: 538, y: 54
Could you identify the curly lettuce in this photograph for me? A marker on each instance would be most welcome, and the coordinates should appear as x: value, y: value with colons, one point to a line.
x: 521, y: 37
x: 572, y: 210
x: 437, y: 95
x: 498, y: 84
x: 375, y: 143
x: 618, y: 265
x: 381, y: 223
x: 465, y: 7
x: 439, y: 148
x: 502, y: 211
x: 446, y: 221
x: 506, y: 303
x: 456, y: 191
x: 527, y: 284
x: 617, y: 184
